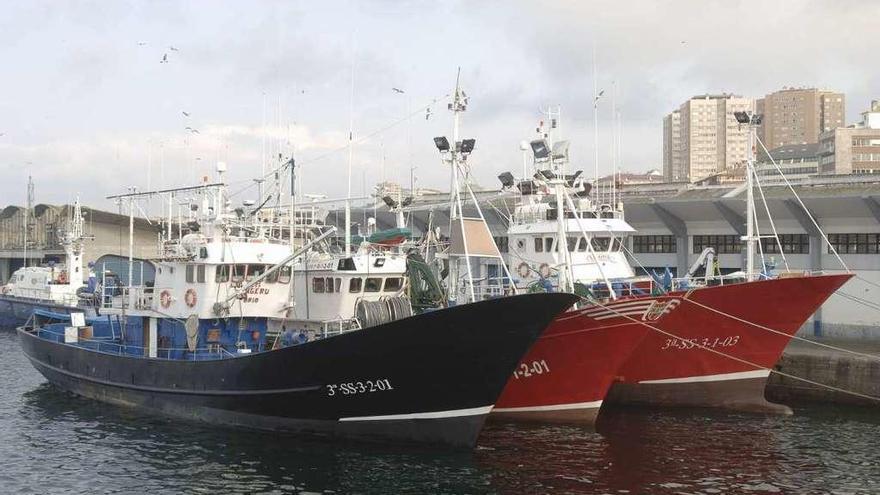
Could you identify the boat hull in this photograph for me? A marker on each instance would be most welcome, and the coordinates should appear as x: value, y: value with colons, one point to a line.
x: 431, y: 378
x: 567, y: 373
x: 15, y: 311
x: 669, y: 368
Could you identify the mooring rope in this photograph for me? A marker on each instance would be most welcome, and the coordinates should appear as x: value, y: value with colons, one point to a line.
x: 740, y: 360
x: 779, y: 332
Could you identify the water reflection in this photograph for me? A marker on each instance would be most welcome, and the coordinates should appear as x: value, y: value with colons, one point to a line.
x: 55, y: 442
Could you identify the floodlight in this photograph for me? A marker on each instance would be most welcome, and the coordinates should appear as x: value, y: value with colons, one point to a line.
x: 467, y: 145
x: 757, y: 118
x: 540, y: 149
x: 407, y: 201
x: 441, y: 143
x: 389, y: 201
x: 507, y: 180
x: 742, y: 117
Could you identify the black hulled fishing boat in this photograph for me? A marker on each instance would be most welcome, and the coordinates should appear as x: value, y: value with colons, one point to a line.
x: 236, y: 329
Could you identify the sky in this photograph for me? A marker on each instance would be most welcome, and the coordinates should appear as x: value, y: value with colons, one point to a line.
x: 88, y: 107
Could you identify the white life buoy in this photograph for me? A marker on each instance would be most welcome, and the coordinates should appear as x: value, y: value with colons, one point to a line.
x: 544, y: 270
x: 165, y: 298
x: 190, y: 298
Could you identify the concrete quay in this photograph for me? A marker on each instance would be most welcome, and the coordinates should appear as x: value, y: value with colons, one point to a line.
x: 843, y: 370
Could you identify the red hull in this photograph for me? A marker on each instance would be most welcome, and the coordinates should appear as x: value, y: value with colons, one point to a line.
x: 568, y: 371
x: 670, y: 370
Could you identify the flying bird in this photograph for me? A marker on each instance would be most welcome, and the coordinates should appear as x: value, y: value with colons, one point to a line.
x: 427, y: 113
x: 683, y: 42
x: 173, y: 49
x: 185, y: 114
x: 397, y: 90
x: 193, y: 131
x: 164, y: 59
x: 142, y: 43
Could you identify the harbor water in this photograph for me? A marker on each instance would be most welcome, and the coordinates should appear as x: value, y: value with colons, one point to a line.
x: 53, y: 442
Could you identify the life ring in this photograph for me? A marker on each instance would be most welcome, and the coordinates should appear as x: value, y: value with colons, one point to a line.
x: 62, y: 277
x: 523, y: 269
x: 190, y: 298
x: 544, y: 270
x: 165, y: 298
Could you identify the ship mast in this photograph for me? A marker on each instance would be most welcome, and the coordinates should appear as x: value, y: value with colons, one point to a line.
x: 751, y: 121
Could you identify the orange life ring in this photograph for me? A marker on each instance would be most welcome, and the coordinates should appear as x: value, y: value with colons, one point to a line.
x: 523, y: 269
x: 544, y: 270
x: 190, y: 298
x: 62, y: 277
x: 165, y: 298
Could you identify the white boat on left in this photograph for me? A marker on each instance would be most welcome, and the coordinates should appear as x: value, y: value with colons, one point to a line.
x: 60, y: 288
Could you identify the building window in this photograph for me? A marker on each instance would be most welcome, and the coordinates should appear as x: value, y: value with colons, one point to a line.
x: 855, y: 243
x: 723, y: 244
x: 791, y: 244
x: 654, y: 244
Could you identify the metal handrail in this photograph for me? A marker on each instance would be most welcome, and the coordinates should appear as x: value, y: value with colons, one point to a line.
x: 121, y: 348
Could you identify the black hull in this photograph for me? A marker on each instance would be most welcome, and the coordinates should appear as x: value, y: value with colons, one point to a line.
x: 431, y: 378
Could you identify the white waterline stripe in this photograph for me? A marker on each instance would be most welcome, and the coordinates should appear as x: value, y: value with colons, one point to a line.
x: 557, y: 407
x: 740, y: 375
x: 474, y: 411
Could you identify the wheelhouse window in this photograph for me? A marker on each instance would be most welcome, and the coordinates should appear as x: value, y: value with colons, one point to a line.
x: 238, y: 272
x: 190, y: 274
x: 373, y: 284
x: 222, y: 273
x: 393, y: 284
x: 272, y: 277
x: 284, y: 275
x: 601, y: 243
x: 548, y: 244
x: 255, y: 271
x: 354, y: 285
x: 318, y: 285
x: 539, y: 245
x: 200, y: 274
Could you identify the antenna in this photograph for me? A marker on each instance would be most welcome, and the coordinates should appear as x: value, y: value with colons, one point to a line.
x: 350, y: 156
x: 596, y: 96
x: 27, y: 216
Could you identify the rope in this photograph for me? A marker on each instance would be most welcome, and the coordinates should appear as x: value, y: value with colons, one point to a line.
x: 743, y: 361
x: 778, y: 332
x: 859, y: 300
x: 801, y: 202
x: 863, y: 279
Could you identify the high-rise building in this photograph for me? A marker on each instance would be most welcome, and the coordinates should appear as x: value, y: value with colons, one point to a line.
x: 798, y: 115
x: 709, y: 138
x: 854, y: 149
x: 673, y: 164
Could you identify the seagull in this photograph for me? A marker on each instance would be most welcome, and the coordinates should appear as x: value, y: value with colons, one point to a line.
x: 173, y: 49
x: 683, y: 42
x: 194, y: 131
x: 185, y: 114
x: 596, y: 99
x: 397, y: 90
x: 164, y: 59
x: 427, y: 113
x: 142, y: 43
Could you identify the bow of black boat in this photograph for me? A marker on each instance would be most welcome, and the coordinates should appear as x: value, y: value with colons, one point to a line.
x: 431, y: 378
